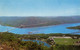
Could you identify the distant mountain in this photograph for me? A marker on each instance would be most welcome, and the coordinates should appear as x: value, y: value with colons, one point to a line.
x: 37, y: 21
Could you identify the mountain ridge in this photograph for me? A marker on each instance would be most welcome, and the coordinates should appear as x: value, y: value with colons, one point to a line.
x: 37, y: 21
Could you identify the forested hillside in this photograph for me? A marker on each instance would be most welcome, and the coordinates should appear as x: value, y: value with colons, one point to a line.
x: 37, y: 21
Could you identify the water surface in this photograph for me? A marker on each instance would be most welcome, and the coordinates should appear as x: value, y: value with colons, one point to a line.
x: 62, y: 28
x: 39, y: 42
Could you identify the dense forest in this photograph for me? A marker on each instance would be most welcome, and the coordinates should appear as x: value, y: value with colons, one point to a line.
x: 37, y: 21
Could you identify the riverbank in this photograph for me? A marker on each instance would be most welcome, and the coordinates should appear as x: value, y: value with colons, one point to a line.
x: 34, y: 26
x: 75, y: 27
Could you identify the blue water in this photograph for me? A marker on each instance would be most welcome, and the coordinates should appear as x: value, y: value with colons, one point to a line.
x: 39, y: 42
x: 46, y: 29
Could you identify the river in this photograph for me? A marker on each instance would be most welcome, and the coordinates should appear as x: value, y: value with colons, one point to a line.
x: 39, y: 42
x: 62, y: 28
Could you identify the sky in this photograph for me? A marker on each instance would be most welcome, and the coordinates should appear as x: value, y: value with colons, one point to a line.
x: 39, y: 7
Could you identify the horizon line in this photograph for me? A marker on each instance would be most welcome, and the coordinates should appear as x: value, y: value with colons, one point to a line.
x: 39, y: 16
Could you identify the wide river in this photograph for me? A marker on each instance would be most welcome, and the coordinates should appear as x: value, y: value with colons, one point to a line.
x: 62, y: 28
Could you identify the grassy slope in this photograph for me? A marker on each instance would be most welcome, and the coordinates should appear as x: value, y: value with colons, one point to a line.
x: 65, y: 41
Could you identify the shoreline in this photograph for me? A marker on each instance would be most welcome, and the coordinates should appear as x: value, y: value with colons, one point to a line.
x: 37, y: 26
x: 42, y: 26
x: 45, y: 25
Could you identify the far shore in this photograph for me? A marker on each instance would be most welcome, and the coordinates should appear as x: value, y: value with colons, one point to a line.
x: 38, y: 25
